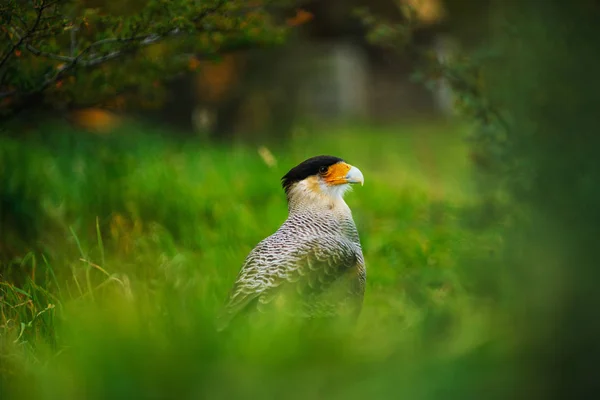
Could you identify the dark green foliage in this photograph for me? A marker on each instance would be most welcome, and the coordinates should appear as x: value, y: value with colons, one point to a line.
x: 548, y: 81
x: 466, y: 71
x: 534, y: 105
x: 68, y: 53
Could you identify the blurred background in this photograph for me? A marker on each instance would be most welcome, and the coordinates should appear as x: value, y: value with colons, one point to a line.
x: 141, y: 149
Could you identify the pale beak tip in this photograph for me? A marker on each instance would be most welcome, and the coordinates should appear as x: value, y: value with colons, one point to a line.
x: 355, y: 176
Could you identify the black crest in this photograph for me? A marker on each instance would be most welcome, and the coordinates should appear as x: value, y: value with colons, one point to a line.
x: 307, y: 168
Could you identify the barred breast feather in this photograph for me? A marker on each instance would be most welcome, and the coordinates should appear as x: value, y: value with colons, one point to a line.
x: 313, y: 264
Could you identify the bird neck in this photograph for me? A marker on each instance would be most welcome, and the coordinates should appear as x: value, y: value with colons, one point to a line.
x: 322, y: 212
x: 311, y: 194
x: 301, y: 202
x: 327, y: 206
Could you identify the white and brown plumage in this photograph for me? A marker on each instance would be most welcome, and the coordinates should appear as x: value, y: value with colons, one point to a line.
x: 313, y: 265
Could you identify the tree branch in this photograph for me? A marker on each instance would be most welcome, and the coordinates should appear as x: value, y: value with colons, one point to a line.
x: 29, y: 31
x: 7, y: 93
x: 88, y: 57
x: 56, y: 57
x: 144, y: 40
x: 15, y: 46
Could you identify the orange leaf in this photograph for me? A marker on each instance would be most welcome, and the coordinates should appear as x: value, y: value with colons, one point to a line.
x: 301, y: 17
x: 18, y: 53
x: 193, y: 64
x: 59, y: 84
x: 427, y: 11
x: 216, y: 79
x: 95, y: 119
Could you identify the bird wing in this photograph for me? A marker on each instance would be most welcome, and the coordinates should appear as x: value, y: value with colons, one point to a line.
x: 309, y: 270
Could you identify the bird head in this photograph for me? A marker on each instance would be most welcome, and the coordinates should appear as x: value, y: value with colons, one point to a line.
x: 325, y: 177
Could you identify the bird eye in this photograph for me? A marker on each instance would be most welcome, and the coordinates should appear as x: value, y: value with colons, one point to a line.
x: 322, y: 170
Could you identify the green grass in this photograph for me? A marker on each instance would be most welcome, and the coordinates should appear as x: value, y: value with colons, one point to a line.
x: 134, y: 242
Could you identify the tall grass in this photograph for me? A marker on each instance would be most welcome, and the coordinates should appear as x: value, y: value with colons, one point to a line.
x: 135, y: 240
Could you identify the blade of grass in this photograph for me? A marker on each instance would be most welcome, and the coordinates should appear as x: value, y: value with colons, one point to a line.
x: 29, y: 256
x: 51, y: 270
x: 87, y: 270
x: 16, y: 289
x: 74, y: 273
x: 99, y: 268
x: 46, y: 293
x: 77, y: 242
x: 100, y: 242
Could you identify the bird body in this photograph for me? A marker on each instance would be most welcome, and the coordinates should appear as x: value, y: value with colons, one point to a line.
x: 312, y: 266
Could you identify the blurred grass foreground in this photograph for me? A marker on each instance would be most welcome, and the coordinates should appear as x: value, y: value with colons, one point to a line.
x: 137, y: 246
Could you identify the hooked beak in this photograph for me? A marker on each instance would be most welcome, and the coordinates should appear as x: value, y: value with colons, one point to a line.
x: 355, y: 176
x: 342, y: 173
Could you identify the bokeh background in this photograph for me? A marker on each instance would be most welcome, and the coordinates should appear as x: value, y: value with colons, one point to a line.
x: 136, y: 174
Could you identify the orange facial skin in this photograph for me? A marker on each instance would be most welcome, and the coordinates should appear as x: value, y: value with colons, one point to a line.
x: 336, y: 174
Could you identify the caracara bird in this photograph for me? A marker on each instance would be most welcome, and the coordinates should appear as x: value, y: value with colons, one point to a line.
x: 312, y: 266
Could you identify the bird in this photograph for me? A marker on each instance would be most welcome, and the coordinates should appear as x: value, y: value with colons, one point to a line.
x: 312, y: 267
